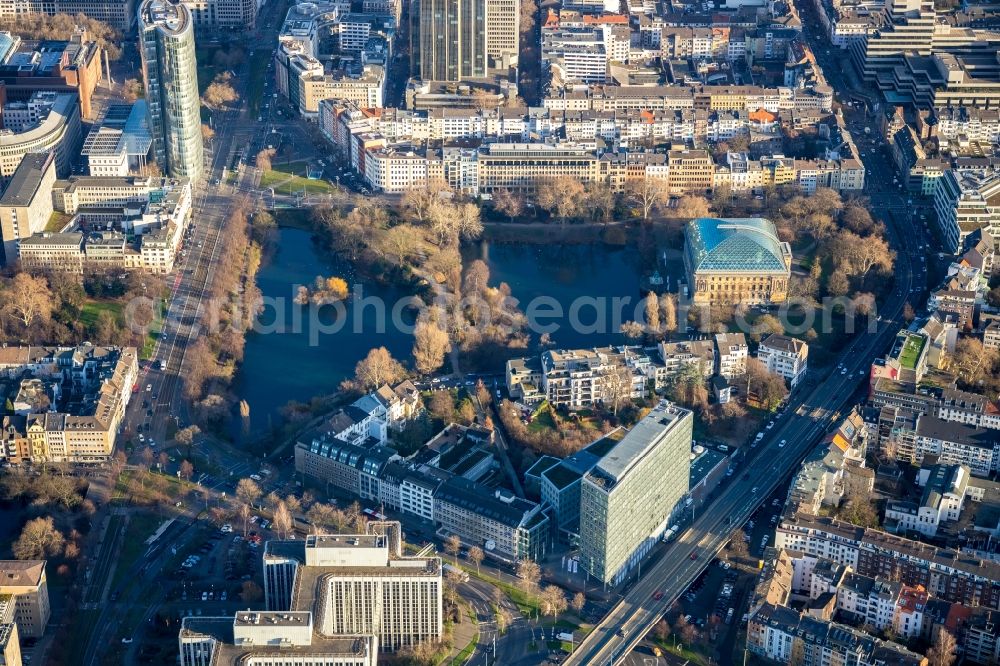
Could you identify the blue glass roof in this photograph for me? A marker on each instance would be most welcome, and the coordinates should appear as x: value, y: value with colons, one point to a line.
x: 748, y: 244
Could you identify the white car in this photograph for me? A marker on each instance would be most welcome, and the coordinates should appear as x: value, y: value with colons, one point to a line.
x: 255, y: 477
x: 227, y: 528
x: 782, y: 443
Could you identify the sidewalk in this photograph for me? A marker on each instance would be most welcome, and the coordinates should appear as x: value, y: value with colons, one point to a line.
x: 462, y: 636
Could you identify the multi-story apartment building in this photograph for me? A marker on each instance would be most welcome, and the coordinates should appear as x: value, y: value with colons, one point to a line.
x: 833, y: 470
x: 944, y: 573
x: 736, y: 261
x: 582, y: 378
x: 677, y: 355
x: 941, y: 502
x: 170, y: 72
x: 784, y: 356
x: 731, y: 352
x: 774, y: 630
x: 57, y: 129
x: 628, y: 498
x: 26, y: 583
x: 905, y: 434
x: 84, y: 391
x: 26, y: 203
x: 119, y: 14
x: 358, y: 584
x: 946, y: 404
x: 969, y: 122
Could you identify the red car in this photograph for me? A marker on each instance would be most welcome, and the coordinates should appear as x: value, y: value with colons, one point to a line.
x: 694, y: 555
x: 657, y: 595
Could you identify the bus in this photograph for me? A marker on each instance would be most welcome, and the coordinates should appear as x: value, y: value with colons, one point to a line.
x: 373, y: 515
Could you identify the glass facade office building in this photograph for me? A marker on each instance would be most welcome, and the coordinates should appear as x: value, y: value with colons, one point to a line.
x: 170, y: 72
x: 629, y: 498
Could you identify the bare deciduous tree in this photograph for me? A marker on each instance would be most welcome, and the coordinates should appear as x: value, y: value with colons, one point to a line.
x: 378, y: 368
x: 475, y: 556
x: 430, y: 345
x: 561, y: 196
x: 508, y: 203
x: 530, y: 573
x: 616, y: 386
x: 691, y: 206
x: 282, y: 520
x: 452, y: 545
x: 648, y: 193
x: 942, y: 652
x: 553, y: 600
x: 38, y: 540
x: 652, y: 307
x: 248, y: 491
x: 29, y: 298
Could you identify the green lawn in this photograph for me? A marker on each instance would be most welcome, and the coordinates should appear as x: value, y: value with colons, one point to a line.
x: 293, y: 168
x: 92, y: 309
x: 286, y: 184
x: 57, y: 221
x: 154, y: 333
x: 684, y: 652
x: 911, y: 351
x: 543, y: 421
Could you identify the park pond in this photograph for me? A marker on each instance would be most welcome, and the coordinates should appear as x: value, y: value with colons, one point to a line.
x: 579, y: 294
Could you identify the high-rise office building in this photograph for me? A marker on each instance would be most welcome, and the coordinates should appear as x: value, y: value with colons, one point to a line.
x: 503, y: 22
x: 357, y: 584
x: 170, y: 71
x: 629, y: 497
x: 448, y: 39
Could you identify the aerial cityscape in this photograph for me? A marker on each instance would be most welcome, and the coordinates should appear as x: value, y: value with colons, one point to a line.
x: 516, y: 332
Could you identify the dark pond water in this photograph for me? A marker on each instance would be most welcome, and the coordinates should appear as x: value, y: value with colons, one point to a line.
x: 579, y: 293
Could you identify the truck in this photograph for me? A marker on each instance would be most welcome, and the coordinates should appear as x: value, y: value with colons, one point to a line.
x: 669, y: 535
x: 462, y: 576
